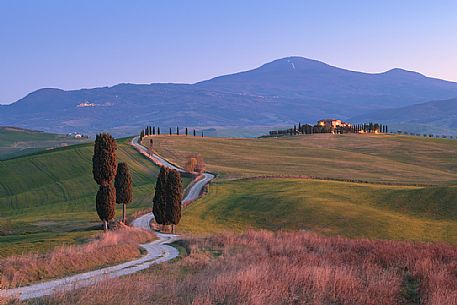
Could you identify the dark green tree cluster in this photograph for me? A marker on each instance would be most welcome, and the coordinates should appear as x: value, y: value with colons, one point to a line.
x: 370, y: 128
x: 310, y: 129
x: 104, y: 168
x: 123, y: 185
x: 168, y: 197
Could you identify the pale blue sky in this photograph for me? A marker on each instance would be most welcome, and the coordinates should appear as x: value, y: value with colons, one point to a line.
x: 75, y: 44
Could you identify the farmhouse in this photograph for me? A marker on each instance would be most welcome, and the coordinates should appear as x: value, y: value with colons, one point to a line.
x: 332, y: 123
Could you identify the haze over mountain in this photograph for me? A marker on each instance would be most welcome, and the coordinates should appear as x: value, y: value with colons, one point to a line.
x: 281, y: 92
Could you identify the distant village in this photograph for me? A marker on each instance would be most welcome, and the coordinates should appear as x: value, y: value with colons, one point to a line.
x: 334, y: 126
x: 77, y: 135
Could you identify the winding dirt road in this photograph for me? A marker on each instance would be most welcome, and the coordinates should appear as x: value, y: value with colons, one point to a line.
x: 157, y: 251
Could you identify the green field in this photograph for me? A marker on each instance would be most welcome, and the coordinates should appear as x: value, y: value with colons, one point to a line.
x: 48, y: 198
x: 15, y: 142
x: 373, y: 210
x: 327, y: 207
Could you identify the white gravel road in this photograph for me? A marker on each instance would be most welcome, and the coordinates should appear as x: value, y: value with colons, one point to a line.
x: 156, y: 252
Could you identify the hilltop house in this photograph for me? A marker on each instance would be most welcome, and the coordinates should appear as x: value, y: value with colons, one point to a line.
x: 332, y: 123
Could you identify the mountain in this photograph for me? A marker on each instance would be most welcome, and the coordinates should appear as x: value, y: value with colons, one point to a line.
x: 281, y: 92
x: 301, y: 78
x: 436, y: 117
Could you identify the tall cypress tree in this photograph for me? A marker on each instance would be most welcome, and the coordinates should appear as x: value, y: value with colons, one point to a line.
x: 104, y: 165
x: 158, y: 131
x: 177, y: 130
x: 195, y: 133
x: 160, y: 198
x: 123, y: 185
x: 170, y: 131
x: 104, y: 168
x: 186, y: 131
x: 174, y: 191
x: 104, y: 204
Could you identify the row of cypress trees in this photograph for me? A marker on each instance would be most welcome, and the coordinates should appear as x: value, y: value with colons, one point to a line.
x: 106, y: 171
x: 152, y: 131
x: 168, y: 197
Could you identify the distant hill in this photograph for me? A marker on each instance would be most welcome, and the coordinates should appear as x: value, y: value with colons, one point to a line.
x: 436, y: 117
x: 16, y: 142
x: 284, y: 91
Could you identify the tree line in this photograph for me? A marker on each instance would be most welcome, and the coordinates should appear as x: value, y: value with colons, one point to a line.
x: 425, y: 135
x: 115, y: 186
x: 312, y: 129
x: 153, y: 130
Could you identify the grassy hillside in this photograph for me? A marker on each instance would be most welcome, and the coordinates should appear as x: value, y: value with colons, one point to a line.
x: 375, y: 158
x: 373, y: 210
x: 16, y: 142
x: 327, y: 207
x: 48, y: 198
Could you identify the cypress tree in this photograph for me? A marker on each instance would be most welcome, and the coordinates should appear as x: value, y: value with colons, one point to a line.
x: 104, y: 168
x: 174, y: 191
x: 170, y: 131
x: 158, y: 131
x: 104, y: 165
x: 153, y: 130
x: 177, y: 130
x: 105, y: 201
x: 202, y: 133
x: 186, y: 131
x: 195, y: 133
x: 159, y: 201
x: 123, y: 185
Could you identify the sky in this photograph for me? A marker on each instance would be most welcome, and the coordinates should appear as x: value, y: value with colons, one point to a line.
x: 85, y: 43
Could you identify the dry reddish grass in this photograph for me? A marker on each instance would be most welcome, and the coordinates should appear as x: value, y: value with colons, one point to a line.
x: 105, y: 249
x: 261, y: 267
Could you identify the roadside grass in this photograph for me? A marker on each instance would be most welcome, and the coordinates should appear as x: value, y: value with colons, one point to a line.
x: 103, y: 250
x: 327, y: 207
x: 48, y: 199
x: 261, y: 267
x: 15, y: 142
x: 374, y: 158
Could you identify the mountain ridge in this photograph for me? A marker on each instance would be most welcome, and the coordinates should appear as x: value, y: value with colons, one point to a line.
x: 286, y: 90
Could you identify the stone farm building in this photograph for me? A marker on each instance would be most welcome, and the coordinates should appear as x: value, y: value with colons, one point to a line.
x: 332, y: 123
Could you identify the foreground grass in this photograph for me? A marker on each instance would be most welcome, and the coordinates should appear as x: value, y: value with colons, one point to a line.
x: 48, y: 199
x: 15, y: 142
x: 106, y: 249
x: 329, y: 207
x: 286, y: 268
x: 375, y: 158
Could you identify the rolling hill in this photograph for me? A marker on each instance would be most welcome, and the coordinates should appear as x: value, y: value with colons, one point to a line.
x: 48, y: 198
x: 408, y: 189
x: 16, y: 142
x: 287, y: 90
